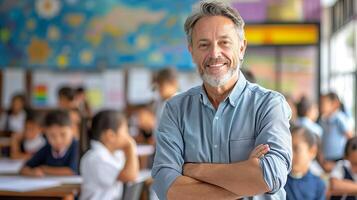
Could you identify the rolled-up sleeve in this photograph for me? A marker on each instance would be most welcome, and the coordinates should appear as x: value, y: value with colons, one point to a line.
x: 274, y: 130
x: 169, y: 153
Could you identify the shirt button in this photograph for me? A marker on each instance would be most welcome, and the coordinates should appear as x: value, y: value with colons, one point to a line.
x: 215, y: 146
x: 216, y: 118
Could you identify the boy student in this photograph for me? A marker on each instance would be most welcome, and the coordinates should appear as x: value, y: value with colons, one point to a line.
x: 25, y: 146
x: 60, y: 155
x: 111, y: 160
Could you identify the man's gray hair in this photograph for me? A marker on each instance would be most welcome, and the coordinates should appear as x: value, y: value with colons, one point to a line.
x: 213, y: 8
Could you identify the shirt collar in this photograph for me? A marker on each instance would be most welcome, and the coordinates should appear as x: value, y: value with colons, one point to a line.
x: 237, y: 90
x: 233, y: 96
x: 60, y: 154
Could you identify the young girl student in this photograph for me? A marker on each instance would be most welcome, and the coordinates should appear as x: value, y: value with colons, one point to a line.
x: 111, y: 160
x: 343, y: 179
x: 301, y: 183
x: 337, y: 130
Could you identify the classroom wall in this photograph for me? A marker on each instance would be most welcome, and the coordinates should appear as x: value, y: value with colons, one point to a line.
x: 91, y: 35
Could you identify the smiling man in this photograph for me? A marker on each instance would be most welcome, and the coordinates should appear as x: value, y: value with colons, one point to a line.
x: 205, y: 135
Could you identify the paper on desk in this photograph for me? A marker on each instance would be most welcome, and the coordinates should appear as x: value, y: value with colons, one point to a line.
x: 8, y: 166
x: 66, y: 179
x: 25, y: 184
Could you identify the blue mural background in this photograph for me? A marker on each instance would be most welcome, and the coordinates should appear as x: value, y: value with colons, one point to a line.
x: 93, y: 34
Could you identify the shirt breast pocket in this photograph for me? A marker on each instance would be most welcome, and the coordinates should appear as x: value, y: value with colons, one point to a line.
x: 239, y: 150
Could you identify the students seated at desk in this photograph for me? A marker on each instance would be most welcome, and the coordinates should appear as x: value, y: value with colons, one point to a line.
x: 343, y: 180
x: 32, y: 139
x: 104, y: 167
x: 60, y: 155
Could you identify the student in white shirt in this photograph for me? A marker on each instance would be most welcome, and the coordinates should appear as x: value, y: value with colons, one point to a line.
x: 111, y: 160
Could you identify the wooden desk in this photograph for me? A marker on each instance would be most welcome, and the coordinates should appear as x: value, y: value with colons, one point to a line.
x: 64, y: 188
x: 63, y: 192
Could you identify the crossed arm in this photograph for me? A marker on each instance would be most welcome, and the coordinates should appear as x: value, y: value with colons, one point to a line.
x: 221, y: 181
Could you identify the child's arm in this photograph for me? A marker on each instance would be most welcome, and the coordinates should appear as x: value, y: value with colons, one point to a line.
x: 28, y: 171
x: 131, y: 167
x: 31, y: 167
x: 57, y: 171
x: 341, y: 187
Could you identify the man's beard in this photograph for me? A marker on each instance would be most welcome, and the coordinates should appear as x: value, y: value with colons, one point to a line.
x: 215, y: 81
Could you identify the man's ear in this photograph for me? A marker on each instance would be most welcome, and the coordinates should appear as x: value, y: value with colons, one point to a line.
x: 189, y: 46
x: 242, y: 49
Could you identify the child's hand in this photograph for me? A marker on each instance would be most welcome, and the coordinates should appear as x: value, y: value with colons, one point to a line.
x: 38, y: 172
x: 259, y: 151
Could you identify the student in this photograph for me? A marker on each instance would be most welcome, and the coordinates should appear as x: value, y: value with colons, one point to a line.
x: 343, y: 182
x: 292, y: 104
x: 66, y: 98
x: 301, y: 183
x: 60, y: 155
x: 166, y: 83
x: 307, y: 115
x: 31, y: 141
x: 146, y: 124
x: 76, y: 121
x: 111, y: 160
x: 336, y: 130
x: 13, y: 120
x: 82, y: 102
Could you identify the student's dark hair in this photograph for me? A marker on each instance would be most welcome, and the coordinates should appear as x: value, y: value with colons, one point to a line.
x: 310, y: 138
x: 303, y: 106
x: 351, y: 145
x: 80, y: 89
x: 248, y: 74
x: 105, y: 120
x: 58, y: 117
x: 165, y: 75
x: 34, y: 117
x: 19, y: 96
x: 334, y: 97
x: 67, y: 92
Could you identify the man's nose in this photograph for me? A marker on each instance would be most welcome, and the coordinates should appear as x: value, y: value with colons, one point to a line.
x: 215, y: 51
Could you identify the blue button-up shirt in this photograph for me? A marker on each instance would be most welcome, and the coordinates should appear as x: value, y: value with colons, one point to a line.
x: 192, y: 130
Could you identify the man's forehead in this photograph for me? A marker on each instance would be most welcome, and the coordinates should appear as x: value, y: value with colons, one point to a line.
x: 221, y: 27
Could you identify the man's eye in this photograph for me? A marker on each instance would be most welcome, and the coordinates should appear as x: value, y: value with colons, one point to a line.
x: 202, y: 45
x: 226, y: 43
